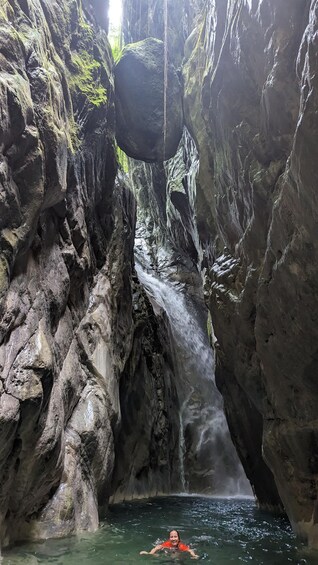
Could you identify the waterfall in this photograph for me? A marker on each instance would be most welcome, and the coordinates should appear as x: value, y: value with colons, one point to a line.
x: 182, y: 451
x: 209, y: 462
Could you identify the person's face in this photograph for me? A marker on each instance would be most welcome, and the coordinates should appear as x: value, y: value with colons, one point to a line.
x: 174, y: 538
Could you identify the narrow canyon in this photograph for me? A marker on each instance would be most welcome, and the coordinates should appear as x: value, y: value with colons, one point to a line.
x: 158, y: 258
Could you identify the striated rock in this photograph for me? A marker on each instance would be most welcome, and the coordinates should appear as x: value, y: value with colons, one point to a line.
x: 149, y: 117
x: 250, y: 99
x: 167, y: 231
x: 69, y: 333
x: 68, y: 337
x: 98, y: 12
x: 65, y: 270
x: 79, y: 346
x: 254, y: 122
x: 147, y: 441
x: 171, y: 21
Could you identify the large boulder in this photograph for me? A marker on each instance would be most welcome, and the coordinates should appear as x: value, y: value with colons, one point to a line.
x: 149, y: 117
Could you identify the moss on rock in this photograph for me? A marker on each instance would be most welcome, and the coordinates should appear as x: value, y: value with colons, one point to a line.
x: 86, y: 78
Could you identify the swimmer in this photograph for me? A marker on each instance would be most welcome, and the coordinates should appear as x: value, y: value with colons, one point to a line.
x: 173, y: 543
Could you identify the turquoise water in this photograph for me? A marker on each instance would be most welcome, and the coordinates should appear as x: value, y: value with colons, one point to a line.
x: 222, y: 532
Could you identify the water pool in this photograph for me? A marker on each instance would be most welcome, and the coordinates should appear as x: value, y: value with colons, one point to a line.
x: 222, y: 532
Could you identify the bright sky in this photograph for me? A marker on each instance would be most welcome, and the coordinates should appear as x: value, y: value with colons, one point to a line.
x: 115, y: 12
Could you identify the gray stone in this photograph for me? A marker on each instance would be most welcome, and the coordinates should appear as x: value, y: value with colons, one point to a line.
x: 255, y: 123
x: 149, y: 117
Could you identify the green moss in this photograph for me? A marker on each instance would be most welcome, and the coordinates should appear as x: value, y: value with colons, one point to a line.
x: 116, y: 51
x: 73, y: 140
x: 86, y: 28
x: 86, y: 78
x: 4, y: 275
x: 122, y: 159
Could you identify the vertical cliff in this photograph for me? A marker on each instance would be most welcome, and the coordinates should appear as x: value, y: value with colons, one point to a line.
x: 250, y: 100
x: 249, y: 69
x: 61, y: 240
x: 69, y: 325
x: 167, y: 244
x: 84, y: 363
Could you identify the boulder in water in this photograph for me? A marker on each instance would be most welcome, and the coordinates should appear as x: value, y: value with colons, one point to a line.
x: 144, y: 130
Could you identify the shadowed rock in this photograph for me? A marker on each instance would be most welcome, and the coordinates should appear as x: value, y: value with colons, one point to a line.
x: 66, y: 307
x: 255, y: 123
x: 144, y: 130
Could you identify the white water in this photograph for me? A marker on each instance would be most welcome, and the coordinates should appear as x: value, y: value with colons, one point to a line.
x: 210, y: 463
x: 209, y: 460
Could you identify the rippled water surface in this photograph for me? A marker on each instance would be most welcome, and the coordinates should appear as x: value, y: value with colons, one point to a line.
x: 222, y: 531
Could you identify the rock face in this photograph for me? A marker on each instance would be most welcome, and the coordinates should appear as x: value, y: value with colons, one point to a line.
x: 253, y: 118
x: 79, y: 348
x: 149, y: 117
x: 166, y: 262
x: 59, y: 365
x: 250, y: 99
x: 147, y: 455
x: 67, y: 329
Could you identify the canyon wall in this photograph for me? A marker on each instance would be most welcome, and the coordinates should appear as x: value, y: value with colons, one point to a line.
x: 249, y: 72
x: 254, y: 120
x: 71, y: 317
x: 84, y: 362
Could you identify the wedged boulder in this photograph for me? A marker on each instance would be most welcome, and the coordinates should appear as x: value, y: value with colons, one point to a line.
x: 149, y: 116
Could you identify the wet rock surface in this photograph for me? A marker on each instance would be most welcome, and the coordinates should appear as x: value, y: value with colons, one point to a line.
x: 66, y: 323
x: 147, y: 455
x: 78, y: 346
x: 250, y: 98
x: 254, y: 123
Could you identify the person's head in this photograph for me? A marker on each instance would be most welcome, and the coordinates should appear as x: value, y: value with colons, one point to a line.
x: 174, y: 537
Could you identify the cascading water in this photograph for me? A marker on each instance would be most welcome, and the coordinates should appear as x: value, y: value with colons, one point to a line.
x: 209, y: 462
